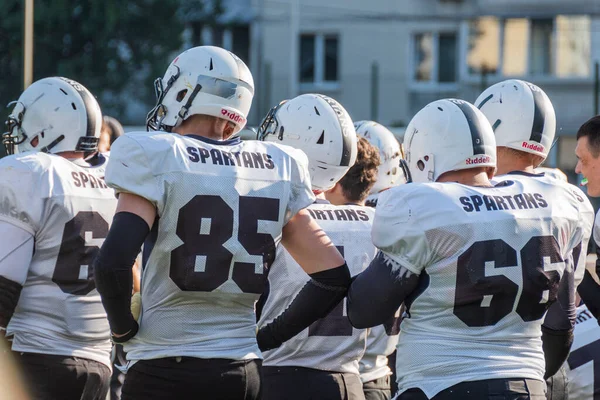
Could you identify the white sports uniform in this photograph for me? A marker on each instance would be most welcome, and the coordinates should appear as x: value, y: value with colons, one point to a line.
x: 478, y: 310
x: 586, y: 213
x: 381, y: 342
x: 331, y: 343
x: 221, y: 206
x: 68, y: 209
x: 584, y: 359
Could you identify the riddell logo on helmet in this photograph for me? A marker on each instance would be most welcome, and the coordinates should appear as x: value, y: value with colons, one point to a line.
x: 233, y: 116
x: 534, y: 147
x: 478, y: 160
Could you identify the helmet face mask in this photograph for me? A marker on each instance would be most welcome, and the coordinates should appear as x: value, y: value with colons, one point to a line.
x: 53, y: 115
x: 270, y: 124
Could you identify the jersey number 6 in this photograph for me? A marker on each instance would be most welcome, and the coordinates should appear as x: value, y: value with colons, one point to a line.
x: 483, y: 299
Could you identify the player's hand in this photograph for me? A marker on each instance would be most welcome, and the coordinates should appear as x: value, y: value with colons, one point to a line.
x: 136, y: 305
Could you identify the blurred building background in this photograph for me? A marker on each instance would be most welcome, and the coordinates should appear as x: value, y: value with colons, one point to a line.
x: 382, y: 59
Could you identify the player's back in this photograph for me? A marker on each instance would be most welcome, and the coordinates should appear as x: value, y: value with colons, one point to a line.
x: 584, y: 359
x: 586, y: 210
x: 331, y: 343
x: 482, y: 295
x: 221, y: 206
x: 67, y: 207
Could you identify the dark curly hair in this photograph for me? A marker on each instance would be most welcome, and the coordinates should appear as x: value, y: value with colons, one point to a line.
x: 361, y: 177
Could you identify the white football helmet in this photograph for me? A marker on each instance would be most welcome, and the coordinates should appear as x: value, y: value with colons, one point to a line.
x: 521, y: 116
x: 448, y: 135
x: 319, y: 126
x: 392, y: 171
x: 204, y: 80
x: 53, y: 115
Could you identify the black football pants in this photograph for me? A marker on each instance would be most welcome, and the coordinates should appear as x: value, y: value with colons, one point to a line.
x: 51, y: 377
x: 490, y: 389
x: 193, y: 378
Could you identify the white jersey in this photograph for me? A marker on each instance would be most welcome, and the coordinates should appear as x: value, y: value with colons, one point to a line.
x: 584, y: 360
x: 331, y: 343
x: 381, y: 342
x: 68, y: 209
x: 221, y: 207
x: 480, y: 253
x: 579, y: 198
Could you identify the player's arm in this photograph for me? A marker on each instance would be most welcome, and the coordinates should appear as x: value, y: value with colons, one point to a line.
x: 113, y: 265
x: 330, y: 278
x: 557, y: 329
x: 377, y: 293
x: 16, y: 251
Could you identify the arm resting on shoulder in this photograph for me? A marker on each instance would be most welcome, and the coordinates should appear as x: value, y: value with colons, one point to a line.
x: 330, y: 278
x: 377, y: 293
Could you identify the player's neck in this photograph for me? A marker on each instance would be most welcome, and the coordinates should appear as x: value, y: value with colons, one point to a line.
x: 506, y: 166
x: 210, y: 129
x: 71, y: 155
x: 467, y: 177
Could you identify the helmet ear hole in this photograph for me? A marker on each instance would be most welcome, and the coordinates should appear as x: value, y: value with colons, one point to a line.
x: 181, y: 95
x: 421, y: 165
x: 35, y: 141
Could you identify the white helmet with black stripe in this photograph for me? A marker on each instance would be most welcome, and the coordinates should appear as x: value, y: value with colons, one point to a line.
x: 319, y: 126
x: 448, y: 135
x: 53, y: 115
x: 521, y: 115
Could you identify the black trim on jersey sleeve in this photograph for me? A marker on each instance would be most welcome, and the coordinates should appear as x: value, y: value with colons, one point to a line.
x: 317, y: 298
x: 10, y: 291
x: 113, y: 270
x: 377, y: 293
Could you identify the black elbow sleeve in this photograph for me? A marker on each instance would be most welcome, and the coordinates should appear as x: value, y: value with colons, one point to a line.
x: 315, y: 300
x: 556, y: 346
x: 10, y: 291
x: 112, y: 269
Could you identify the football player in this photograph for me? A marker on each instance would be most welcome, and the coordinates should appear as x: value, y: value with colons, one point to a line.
x: 213, y: 209
x: 377, y: 366
x: 393, y: 170
x: 55, y: 211
x: 524, y: 124
x: 476, y: 265
x: 321, y: 361
x: 588, y: 165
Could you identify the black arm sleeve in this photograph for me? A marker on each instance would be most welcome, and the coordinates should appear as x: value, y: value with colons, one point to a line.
x: 377, y: 293
x: 10, y: 292
x: 557, y: 329
x: 112, y: 270
x: 589, y: 291
x: 316, y: 299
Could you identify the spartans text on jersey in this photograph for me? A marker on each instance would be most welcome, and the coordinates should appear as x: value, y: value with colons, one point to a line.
x: 521, y: 201
x: 247, y: 159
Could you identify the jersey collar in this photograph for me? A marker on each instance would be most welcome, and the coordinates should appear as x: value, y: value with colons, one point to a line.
x: 540, y: 175
x: 229, y: 142
x: 321, y: 201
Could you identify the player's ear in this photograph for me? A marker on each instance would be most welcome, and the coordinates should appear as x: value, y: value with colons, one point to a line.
x: 490, y: 171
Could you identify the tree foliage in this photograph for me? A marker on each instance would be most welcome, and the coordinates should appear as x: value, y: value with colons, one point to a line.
x: 115, y: 48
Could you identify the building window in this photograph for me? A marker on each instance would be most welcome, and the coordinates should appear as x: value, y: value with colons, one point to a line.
x: 435, y: 57
x: 318, y: 59
x: 530, y: 47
